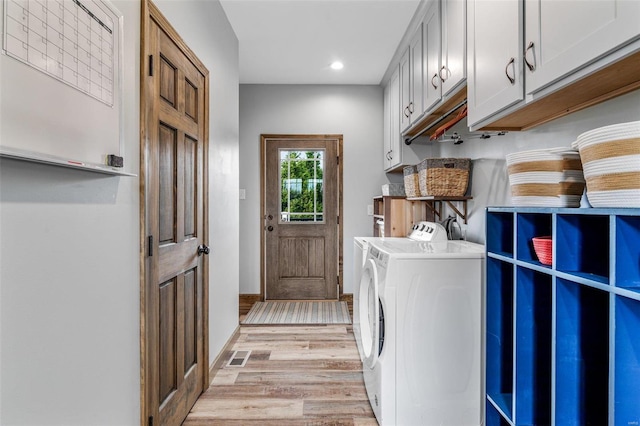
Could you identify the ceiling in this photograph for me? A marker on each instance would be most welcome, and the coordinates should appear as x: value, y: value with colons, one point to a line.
x: 295, y: 41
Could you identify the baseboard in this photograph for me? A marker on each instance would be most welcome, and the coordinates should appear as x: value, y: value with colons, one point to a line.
x: 247, y: 301
x: 224, y: 354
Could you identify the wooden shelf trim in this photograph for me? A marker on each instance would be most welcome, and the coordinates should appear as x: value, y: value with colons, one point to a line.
x: 435, y: 204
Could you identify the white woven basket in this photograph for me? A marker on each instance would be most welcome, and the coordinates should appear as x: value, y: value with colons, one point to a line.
x: 546, y: 178
x: 611, y: 159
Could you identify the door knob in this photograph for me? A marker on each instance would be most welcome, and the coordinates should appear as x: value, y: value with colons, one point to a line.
x: 269, y: 228
x: 203, y: 249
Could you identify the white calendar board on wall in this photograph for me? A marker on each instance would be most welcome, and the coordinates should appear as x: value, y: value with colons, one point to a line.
x: 61, y: 81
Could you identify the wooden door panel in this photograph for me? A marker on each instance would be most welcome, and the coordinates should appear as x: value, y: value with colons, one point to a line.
x: 190, y: 188
x: 168, y: 77
x: 191, y: 100
x: 167, y: 141
x: 190, y: 319
x: 301, y: 257
x: 167, y: 340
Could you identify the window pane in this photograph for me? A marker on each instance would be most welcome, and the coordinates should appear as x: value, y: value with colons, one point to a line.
x: 301, y: 185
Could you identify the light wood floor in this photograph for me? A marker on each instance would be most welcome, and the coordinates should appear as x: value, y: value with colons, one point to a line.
x: 294, y: 376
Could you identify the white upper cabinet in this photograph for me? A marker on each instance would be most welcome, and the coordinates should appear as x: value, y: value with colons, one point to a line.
x: 431, y: 56
x: 532, y: 61
x: 392, y: 143
x: 453, y: 70
x: 415, y: 57
x: 411, y: 81
x: 495, y: 79
x: 563, y: 36
x: 444, y: 50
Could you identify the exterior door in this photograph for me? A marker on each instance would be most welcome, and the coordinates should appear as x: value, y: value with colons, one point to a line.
x: 301, y: 209
x: 175, y: 366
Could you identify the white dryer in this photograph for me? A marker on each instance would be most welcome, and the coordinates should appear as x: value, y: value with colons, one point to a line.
x: 420, y: 323
x: 360, y: 251
x: 421, y: 231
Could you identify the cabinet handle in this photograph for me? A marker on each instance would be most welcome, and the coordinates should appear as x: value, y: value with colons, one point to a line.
x: 532, y: 67
x: 512, y: 61
x: 406, y: 111
x: 433, y: 78
x: 446, y: 75
x: 410, y: 107
x: 390, y: 155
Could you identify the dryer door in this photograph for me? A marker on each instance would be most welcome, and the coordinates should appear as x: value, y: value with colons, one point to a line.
x: 369, y: 314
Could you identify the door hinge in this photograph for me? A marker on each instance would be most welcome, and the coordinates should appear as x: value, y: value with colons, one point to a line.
x: 150, y: 65
x: 150, y: 245
x: 150, y: 421
x: 338, y: 220
x: 338, y: 160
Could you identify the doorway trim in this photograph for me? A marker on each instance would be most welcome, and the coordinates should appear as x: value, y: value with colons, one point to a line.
x: 150, y: 11
x: 263, y: 147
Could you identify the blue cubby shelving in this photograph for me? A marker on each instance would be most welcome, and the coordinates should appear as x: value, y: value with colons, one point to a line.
x: 563, y: 340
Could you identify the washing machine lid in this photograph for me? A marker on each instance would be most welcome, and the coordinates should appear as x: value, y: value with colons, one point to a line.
x: 407, y: 248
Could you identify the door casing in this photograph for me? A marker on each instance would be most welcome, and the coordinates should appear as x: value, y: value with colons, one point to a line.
x: 310, y: 138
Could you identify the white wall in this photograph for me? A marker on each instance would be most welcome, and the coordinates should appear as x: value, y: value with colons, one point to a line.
x: 69, y: 275
x: 205, y: 28
x: 356, y: 112
x: 353, y: 111
x: 490, y: 183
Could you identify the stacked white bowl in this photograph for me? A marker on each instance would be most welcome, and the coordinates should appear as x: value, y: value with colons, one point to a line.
x: 611, y: 159
x: 546, y: 178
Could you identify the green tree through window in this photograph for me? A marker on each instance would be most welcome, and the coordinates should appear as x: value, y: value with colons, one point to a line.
x: 301, y: 183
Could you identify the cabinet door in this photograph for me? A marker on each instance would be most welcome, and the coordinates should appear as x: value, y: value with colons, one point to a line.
x: 431, y: 56
x: 405, y: 90
x: 393, y: 155
x: 415, y: 58
x: 494, y: 79
x: 386, y: 125
x: 454, y: 42
x: 564, y: 36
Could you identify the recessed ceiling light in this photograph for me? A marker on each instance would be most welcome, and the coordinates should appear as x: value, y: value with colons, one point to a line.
x: 337, y: 65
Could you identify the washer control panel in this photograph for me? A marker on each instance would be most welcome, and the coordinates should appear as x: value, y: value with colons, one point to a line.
x: 428, y: 231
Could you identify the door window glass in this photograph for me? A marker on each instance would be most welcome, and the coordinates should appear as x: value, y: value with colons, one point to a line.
x: 301, y: 186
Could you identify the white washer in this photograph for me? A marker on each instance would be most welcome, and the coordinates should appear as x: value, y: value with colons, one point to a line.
x: 420, y: 322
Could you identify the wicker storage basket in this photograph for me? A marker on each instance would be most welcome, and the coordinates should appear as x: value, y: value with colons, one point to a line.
x: 611, y: 159
x: 422, y: 177
x: 447, y: 177
x: 411, y: 186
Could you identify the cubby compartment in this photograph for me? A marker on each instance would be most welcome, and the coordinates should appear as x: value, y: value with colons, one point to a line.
x: 582, y: 246
x: 628, y: 252
x: 530, y: 225
x: 627, y: 362
x: 499, y: 339
x: 582, y: 355
x: 493, y: 417
x: 500, y: 233
x: 533, y: 347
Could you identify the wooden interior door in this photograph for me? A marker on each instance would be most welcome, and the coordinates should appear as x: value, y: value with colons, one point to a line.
x: 301, y: 217
x: 174, y: 319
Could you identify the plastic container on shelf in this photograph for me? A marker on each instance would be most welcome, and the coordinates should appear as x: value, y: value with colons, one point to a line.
x: 393, y: 189
x: 543, y: 246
